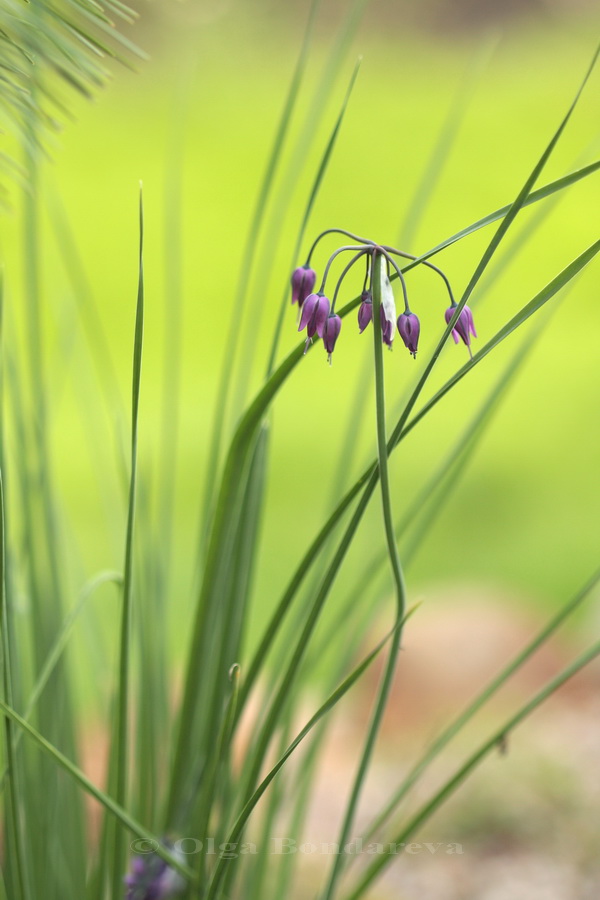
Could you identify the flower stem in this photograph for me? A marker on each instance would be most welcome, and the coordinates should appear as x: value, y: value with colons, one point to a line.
x: 398, y: 577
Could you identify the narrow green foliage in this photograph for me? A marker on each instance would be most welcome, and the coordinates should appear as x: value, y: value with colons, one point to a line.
x: 121, y: 746
x: 120, y: 815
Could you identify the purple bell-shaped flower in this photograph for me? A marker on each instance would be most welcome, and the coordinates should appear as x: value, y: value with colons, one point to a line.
x: 463, y: 327
x: 409, y: 329
x: 303, y: 281
x: 365, y: 310
x: 315, y: 310
x: 331, y: 330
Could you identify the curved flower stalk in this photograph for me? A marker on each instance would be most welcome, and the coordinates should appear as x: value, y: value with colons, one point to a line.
x: 322, y: 321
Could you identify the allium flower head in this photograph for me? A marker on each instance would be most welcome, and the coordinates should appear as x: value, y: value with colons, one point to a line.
x: 409, y: 329
x: 365, y: 310
x: 463, y: 327
x: 387, y: 309
x: 151, y: 878
x: 303, y: 281
x: 331, y: 330
x: 315, y: 310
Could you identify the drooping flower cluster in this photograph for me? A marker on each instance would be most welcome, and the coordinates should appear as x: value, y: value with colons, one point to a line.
x: 151, y: 878
x: 318, y: 316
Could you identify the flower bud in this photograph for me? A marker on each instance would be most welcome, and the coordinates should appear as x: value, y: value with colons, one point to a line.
x: 365, y: 310
x: 314, y: 314
x: 303, y: 281
x: 331, y: 330
x: 409, y: 328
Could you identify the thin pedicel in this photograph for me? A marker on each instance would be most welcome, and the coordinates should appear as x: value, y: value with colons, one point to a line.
x: 319, y: 318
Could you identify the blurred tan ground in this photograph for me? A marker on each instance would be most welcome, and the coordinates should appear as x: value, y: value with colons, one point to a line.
x: 528, y: 819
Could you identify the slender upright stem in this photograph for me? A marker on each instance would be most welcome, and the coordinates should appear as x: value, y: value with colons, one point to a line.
x: 398, y: 578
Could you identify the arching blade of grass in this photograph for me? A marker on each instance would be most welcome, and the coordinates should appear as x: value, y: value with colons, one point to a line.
x: 121, y: 734
x: 121, y: 815
x: 480, y: 700
x: 238, y: 828
x: 225, y: 378
x: 499, y: 735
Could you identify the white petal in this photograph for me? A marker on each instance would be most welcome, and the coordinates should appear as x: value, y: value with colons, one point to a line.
x: 387, y: 300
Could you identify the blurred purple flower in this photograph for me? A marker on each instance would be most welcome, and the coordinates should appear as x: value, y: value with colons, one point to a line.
x: 314, y: 314
x: 365, y: 311
x: 151, y: 878
x: 409, y: 329
x: 331, y: 330
x: 303, y: 281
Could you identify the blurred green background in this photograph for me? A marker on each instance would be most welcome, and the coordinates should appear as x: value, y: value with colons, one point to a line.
x: 198, y: 118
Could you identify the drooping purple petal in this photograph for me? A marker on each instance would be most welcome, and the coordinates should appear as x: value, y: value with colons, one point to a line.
x: 331, y: 330
x: 319, y: 317
x: 308, y: 308
x: 365, y: 311
x: 464, y: 326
